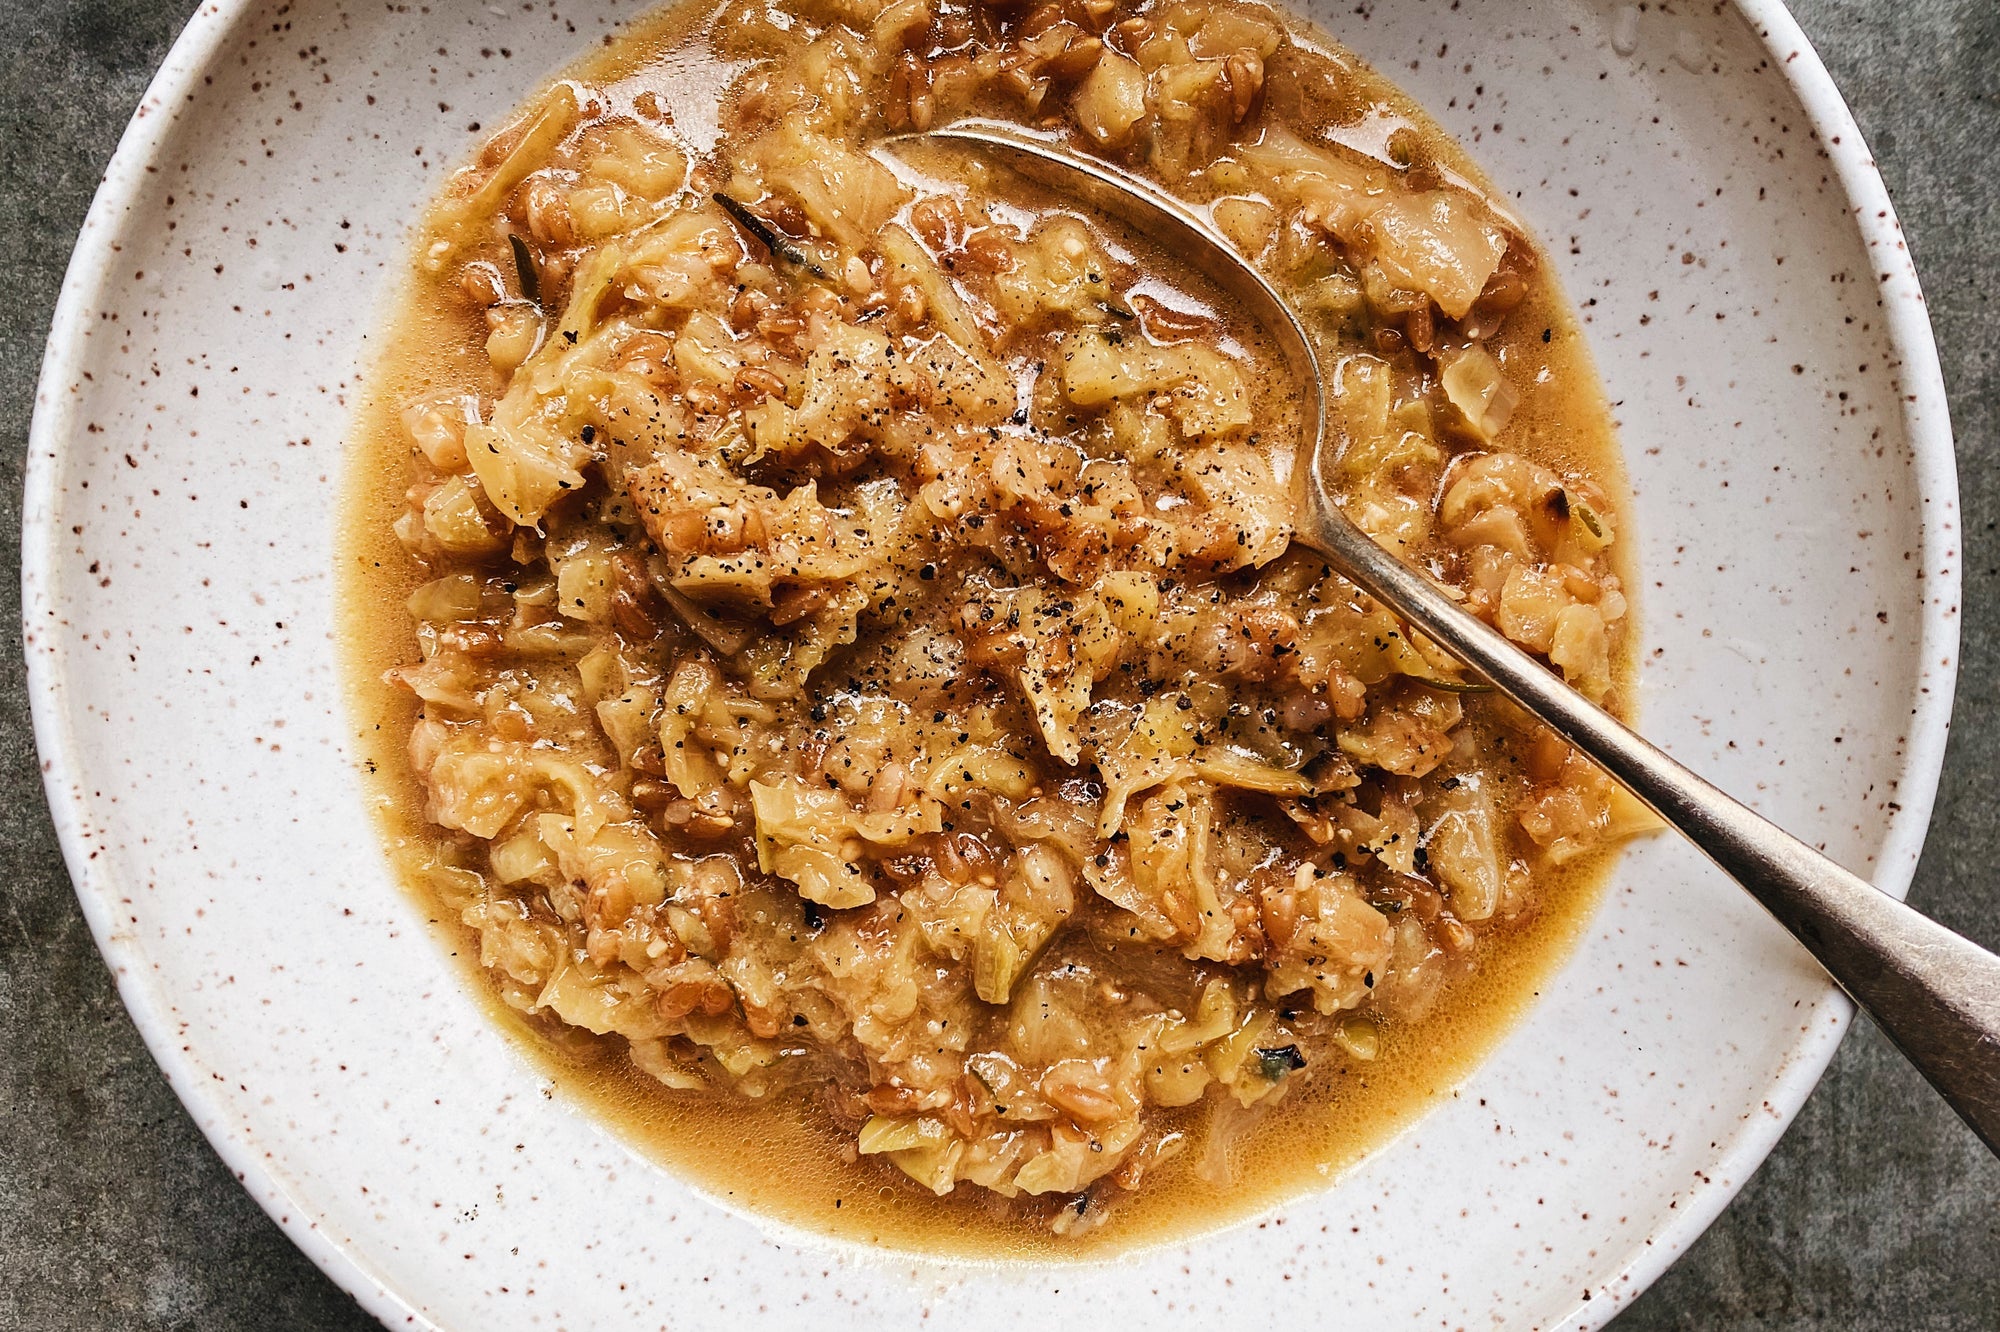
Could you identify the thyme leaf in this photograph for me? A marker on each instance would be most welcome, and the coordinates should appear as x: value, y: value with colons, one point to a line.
x: 780, y: 245
x: 526, y: 269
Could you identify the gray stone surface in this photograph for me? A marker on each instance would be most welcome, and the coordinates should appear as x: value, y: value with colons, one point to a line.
x: 1877, y: 1210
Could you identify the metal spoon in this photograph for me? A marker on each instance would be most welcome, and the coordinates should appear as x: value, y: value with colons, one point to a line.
x: 1936, y: 994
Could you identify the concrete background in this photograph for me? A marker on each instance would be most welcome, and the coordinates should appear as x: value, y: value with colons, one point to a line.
x: 1878, y: 1209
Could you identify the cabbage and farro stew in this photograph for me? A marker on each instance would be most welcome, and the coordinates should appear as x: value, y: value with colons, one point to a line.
x: 857, y: 654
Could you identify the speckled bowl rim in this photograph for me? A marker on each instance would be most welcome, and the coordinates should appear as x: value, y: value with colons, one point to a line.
x: 1925, y: 415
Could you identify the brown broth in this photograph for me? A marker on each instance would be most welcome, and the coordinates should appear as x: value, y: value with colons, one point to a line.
x: 784, y: 1160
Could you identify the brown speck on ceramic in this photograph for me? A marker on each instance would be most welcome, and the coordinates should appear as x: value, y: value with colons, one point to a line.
x: 1762, y: 335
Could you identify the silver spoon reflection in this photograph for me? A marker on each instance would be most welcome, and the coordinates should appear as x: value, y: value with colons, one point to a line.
x: 1936, y: 994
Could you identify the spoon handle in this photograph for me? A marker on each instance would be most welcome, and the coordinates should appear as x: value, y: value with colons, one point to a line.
x: 1937, y: 995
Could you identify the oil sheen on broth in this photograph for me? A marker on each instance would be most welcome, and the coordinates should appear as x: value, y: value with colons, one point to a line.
x: 1338, y: 873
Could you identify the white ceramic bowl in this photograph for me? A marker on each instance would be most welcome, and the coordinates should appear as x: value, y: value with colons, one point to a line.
x: 1755, y: 317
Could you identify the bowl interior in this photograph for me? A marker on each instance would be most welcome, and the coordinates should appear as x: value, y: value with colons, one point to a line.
x: 1793, y: 503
